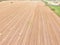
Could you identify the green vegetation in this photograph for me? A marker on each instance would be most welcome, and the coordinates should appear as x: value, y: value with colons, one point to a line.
x: 56, y: 9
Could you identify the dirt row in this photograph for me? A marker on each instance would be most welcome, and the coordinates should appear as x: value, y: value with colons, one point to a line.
x: 28, y: 23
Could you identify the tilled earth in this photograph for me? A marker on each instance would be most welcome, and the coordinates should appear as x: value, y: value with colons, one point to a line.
x: 28, y: 23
